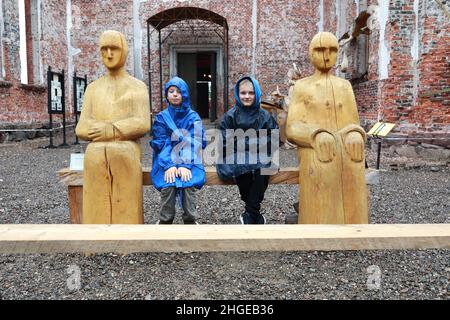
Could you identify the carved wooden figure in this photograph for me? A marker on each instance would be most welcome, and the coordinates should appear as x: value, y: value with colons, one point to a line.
x: 323, y: 121
x: 115, y: 115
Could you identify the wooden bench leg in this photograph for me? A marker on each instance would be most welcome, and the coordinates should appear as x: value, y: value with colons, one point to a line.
x: 76, y: 203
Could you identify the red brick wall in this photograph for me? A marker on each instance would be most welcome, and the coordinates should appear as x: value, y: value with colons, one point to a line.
x: 22, y: 105
x: 90, y: 19
x: 415, y: 94
x: 240, y: 40
x: 432, y: 110
x: 283, y: 37
x: 27, y: 104
x: 366, y: 94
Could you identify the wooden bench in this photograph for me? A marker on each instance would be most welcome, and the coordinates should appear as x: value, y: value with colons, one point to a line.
x: 53, y: 238
x: 74, y: 181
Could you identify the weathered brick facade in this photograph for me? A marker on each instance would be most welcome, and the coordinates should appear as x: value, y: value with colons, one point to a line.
x: 26, y: 104
x: 408, y: 69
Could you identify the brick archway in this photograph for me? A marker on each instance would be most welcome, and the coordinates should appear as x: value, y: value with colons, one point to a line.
x: 186, y: 17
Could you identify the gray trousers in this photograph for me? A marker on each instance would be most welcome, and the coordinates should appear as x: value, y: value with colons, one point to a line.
x: 168, y: 199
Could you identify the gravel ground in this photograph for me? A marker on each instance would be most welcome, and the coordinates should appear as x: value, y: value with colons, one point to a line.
x: 30, y: 193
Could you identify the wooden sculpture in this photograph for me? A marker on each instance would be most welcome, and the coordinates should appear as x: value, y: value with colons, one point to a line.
x: 115, y: 115
x: 323, y: 121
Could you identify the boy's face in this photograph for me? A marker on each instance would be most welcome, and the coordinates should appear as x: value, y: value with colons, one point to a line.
x: 174, y: 96
x: 247, y: 94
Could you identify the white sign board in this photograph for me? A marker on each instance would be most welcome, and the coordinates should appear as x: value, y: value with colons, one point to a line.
x: 76, y: 161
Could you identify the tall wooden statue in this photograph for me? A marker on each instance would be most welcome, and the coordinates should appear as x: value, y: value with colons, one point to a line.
x: 115, y: 115
x: 323, y: 121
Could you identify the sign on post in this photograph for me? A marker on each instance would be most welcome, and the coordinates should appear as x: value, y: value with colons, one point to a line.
x: 56, y: 92
x: 56, y: 101
x: 79, y: 85
x: 380, y: 129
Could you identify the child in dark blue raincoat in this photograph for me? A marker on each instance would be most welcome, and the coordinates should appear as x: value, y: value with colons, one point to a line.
x: 177, y: 141
x: 247, y: 115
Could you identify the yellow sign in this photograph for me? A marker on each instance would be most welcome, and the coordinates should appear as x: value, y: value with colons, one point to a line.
x: 381, y: 129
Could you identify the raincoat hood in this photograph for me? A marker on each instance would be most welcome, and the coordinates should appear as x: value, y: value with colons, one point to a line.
x: 258, y: 93
x: 185, y: 108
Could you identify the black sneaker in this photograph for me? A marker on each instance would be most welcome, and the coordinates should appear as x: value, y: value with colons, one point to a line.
x: 191, y: 222
x: 259, y: 219
x: 246, y: 218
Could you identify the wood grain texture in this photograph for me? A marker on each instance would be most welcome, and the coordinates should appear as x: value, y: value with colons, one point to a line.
x: 209, y: 238
x: 284, y: 176
x: 76, y: 204
x: 115, y: 114
x: 74, y: 181
x: 323, y: 122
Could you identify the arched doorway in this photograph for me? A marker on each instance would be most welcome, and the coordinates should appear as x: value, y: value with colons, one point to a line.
x: 202, y: 63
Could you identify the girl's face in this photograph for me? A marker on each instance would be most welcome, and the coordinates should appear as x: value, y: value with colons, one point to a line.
x: 174, y: 96
x: 247, y: 94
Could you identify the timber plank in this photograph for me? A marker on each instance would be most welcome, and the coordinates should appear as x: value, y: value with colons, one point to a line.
x: 209, y: 238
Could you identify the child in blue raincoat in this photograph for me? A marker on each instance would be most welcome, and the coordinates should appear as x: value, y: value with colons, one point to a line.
x: 177, y: 141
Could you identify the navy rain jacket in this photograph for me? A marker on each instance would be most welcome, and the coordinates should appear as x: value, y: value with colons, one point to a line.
x: 241, y: 117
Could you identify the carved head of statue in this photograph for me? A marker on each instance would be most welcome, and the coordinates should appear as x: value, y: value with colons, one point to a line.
x: 323, y: 51
x: 113, y: 49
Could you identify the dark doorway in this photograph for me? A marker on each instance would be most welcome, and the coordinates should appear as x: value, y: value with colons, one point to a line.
x: 198, y: 69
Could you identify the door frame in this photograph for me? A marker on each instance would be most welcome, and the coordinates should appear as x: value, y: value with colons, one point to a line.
x: 174, y: 49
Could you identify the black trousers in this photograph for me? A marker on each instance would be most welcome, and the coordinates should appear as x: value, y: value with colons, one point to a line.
x: 252, y: 186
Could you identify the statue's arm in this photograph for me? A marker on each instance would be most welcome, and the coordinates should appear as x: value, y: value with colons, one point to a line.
x: 138, y: 124
x: 353, y: 135
x: 352, y: 122
x: 298, y: 130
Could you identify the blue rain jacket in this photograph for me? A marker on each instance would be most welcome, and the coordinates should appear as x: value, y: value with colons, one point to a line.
x: 177, y: 140
x: 241, y: 117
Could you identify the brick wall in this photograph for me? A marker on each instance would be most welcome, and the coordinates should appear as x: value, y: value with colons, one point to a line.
x: 431, y: 112
x: 90, y: 19
x: 27, y: 104
x: 414, y: 94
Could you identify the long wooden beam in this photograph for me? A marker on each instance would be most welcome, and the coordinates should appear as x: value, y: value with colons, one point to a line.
x: 284, y: 176
x: 18, y: 238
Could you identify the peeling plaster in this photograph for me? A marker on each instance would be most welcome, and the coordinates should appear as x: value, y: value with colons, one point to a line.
x: 23, y: 44
x: 383, y: 50
x: 320, y: 22
x: 2, y: 53
x: 137, y: 40
x: 415, y: 44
